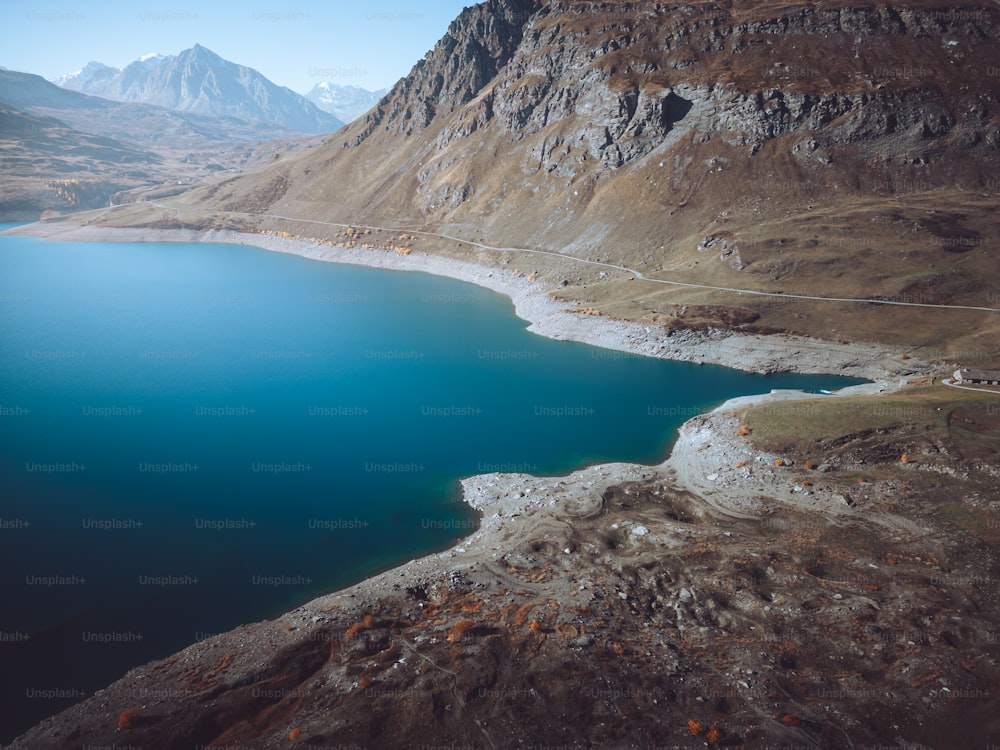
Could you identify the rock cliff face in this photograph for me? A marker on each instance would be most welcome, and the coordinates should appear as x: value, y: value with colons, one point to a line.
x: 624, y: 76
x: 477, y: 46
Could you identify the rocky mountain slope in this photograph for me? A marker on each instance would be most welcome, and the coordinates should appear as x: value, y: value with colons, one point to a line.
x: 844, y: 149
x: 199, y: 81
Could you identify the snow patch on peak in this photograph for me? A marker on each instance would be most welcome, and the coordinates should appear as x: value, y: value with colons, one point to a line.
x: 92, y: 71
x: 347, y: 102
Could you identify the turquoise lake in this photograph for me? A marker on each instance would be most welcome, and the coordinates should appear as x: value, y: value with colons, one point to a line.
x: 194, y: 436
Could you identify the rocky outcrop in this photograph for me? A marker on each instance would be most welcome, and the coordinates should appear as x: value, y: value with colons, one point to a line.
x: 622, y: 81
x: 478, y: 44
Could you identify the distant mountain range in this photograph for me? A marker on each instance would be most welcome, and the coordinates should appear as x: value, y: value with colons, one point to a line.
x: 346, y: 102
x: 198, y: 81
x: 144, y: 124
x: 65, y: 150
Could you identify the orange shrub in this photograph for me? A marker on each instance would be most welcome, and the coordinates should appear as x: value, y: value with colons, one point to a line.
x: 127, y: 717
x: 353, y: 631
x: 522, y: 614
x: 695, y: 727
x: 294, y: 734
x: 713, y: 736
x: 460, y: 629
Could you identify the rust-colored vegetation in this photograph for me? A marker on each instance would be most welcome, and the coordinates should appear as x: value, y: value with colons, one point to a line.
x: 127, y: 718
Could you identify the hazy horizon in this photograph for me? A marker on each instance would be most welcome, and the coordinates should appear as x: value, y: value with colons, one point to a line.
x: 295, y: 45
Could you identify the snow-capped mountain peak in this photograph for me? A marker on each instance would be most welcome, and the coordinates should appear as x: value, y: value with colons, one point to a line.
x: 90, y: 74
x: 199, y: 81
x: 346, y: 102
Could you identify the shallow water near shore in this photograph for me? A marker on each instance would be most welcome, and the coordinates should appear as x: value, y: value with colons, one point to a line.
x: 194, y: 436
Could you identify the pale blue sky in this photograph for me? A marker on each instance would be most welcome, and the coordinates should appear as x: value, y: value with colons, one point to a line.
x: 294, y: 43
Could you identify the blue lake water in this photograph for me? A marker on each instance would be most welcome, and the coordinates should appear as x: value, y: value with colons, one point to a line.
x: 195, y: 436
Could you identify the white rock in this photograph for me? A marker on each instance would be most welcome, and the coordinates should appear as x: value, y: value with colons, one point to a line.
x: 640, y: 531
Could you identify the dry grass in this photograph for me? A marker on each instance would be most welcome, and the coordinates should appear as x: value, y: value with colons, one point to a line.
x: 778, y: 425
